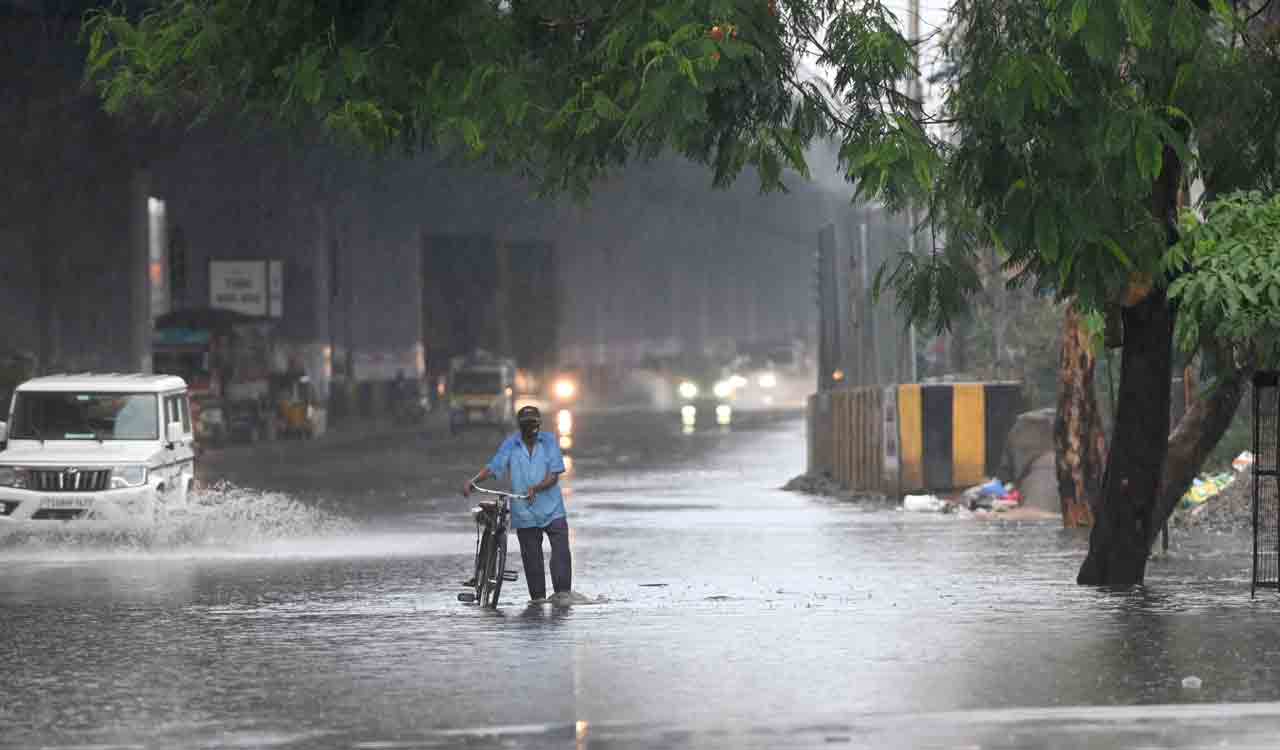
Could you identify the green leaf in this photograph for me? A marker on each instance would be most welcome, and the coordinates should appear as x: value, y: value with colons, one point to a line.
x: 1138, y: 22
x: 587, y: 123
x: 1149, y: 153
x: 1118, y: 134
x: 605, y: 108
x: 1182, y: 27
x: 1185, y: 71
x: 1117, y: 251
x: 1079, y: 15
x: 1095, y: 41
x: 1039, y: 93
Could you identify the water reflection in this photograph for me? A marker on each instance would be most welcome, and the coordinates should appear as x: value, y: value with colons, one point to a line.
x: 724, y: 414
x: 773, y: 611
x: 564, y: 422
x: 689, y: 415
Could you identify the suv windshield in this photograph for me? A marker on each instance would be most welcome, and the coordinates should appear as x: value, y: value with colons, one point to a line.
x: 85, y: 416
x: 477, y: 381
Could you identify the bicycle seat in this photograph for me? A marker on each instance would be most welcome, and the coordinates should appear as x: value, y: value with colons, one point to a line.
x: 488, y: 504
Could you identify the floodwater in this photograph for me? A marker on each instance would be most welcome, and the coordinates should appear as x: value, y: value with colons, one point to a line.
x: 732, y: 615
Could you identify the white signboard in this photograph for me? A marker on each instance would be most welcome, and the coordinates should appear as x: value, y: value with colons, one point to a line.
x: 251, y: 287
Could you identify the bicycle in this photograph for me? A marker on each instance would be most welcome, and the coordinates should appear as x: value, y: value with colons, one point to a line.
x: 491, y: 517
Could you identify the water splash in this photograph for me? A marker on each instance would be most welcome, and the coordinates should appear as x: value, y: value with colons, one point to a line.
x: 226, y: 513
x: 219, y: 517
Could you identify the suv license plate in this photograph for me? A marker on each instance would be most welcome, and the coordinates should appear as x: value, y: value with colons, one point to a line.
x: 66, y: 503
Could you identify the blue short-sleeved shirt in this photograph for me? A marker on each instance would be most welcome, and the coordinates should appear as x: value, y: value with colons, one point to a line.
x: 527, y: 470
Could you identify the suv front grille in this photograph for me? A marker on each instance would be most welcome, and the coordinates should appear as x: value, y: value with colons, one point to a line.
x: 67, y: 480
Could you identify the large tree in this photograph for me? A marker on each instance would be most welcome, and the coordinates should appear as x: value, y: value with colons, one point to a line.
x: 1065, y: 136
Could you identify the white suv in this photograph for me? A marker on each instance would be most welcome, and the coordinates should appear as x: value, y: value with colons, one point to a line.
x: 96, y: 448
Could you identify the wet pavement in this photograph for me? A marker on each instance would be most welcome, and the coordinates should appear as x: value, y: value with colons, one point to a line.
x: 320, y: 612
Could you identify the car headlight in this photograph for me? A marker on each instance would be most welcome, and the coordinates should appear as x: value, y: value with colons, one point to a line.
x: 688, y: 390
x: 768, y: 380
x: 128, y: 476
x: 564, y: 389
x: 13, y: 477
x: 723, y: 389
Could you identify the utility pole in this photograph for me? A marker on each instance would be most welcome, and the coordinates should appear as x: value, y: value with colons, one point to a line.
x: 916, y: 90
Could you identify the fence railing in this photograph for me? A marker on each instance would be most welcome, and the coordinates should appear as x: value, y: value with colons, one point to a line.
x: 1266, y: 480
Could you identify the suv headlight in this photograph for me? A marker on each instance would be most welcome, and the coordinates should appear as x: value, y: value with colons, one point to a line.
x: 128, y: 476
x: 13, y: 477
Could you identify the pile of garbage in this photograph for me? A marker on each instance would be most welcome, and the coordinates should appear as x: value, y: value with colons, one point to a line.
x: 1203, y: 488
x: 992, y: 495
x: 1221, y: 501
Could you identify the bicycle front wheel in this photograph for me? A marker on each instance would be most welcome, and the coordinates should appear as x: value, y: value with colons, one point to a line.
x: 497, y: 565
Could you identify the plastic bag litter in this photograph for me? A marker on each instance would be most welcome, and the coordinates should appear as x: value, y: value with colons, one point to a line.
x: 1242, y: 461
x: 925, y: 504
x: 993, y: 487
x: 1008, y: 501
x: 988, y: 494
x: 1204, y: 488
x: 1192, y: 682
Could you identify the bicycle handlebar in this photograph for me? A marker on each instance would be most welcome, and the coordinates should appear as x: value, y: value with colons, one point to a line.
x: 499, y: 493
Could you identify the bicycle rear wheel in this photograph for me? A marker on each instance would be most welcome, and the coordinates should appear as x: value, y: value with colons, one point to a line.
x: 497, y: 564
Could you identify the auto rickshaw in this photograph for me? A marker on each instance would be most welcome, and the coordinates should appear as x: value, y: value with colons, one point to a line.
x: 295, y: 406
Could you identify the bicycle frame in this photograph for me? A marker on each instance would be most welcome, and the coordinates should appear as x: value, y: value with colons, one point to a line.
x: 491, y: 547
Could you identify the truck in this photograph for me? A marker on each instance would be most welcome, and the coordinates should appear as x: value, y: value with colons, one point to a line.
x: 481, y: 390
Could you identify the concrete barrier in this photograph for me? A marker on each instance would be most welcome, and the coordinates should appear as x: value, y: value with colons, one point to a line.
x: 911, y: 438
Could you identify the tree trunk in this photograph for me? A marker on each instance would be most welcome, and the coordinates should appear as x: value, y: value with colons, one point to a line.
x: 1079, y: 443
x: 1206, y: 419
x: 1125, y: 523
x: 1126, y: 520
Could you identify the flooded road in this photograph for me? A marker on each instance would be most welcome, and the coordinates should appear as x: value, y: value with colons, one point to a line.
x: 732, y: 615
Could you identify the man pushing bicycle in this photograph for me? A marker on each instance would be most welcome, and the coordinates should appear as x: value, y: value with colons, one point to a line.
x: 533, y: 461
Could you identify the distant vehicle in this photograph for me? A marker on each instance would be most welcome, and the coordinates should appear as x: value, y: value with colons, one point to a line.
x: 481, y: 391
x: 565, y: 388
x: 297, y: 413
x: 704, y: 391
x: 96, y: 448
x: 771, y: 376
x: 225, y: 358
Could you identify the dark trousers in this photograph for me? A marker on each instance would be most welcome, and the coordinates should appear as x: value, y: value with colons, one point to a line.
x: 561, y: 563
